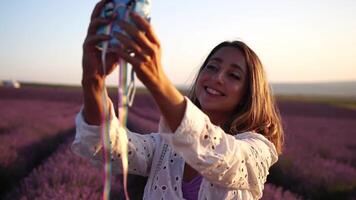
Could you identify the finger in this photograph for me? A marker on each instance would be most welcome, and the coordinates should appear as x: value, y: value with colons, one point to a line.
x: 96, y: 23
x: 127, y: 42
x: 98, y: 8
x: 134, y: 61
x: 93, y: 41
x: 112, y: 58
x: 138, y: 36
x: 142, y: 72
x: 144, y: 25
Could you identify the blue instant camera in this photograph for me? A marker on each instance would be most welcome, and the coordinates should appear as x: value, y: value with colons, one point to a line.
x: 123, y: 8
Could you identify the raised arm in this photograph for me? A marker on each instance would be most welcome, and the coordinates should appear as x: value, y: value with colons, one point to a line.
x: 87, y: 141
x: 146, y: 62
x: 93, y: 77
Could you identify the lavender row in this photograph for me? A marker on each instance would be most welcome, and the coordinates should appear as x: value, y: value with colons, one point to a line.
x: 62, y: 176
x: 67, y: 176
x: 33, y: 122
x: 319, y: 159
x: 272, y: 192
x: 311, y: 110
x: 29, y: 131
x: 43, y: 93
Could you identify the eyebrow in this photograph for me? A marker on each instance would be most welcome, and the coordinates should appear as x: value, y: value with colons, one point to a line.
x: 234, y: 65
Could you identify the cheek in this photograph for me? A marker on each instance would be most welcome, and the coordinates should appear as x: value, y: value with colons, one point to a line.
x: 203, y: 78
x: 200, y: 92
x: 198, y: 88
x: 200, y: 82
x: 237, y: 90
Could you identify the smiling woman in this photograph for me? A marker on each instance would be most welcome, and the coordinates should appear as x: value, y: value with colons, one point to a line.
x: 254, y: 108
x: 217, y: 144
x: 221, y: 85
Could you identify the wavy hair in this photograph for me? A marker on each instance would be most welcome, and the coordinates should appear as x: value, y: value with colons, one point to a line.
x: 257, y: 111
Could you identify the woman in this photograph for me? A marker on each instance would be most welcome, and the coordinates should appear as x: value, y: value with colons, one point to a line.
x: 217, y: 144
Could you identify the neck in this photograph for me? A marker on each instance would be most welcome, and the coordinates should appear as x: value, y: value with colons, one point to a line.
x: 218, y: 118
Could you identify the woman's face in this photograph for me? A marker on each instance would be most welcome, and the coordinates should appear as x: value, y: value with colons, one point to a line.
x: 222, y: 83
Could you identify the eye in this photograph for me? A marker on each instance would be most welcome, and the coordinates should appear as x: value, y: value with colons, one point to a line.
x: 212, y: 68
x: 235, y: 76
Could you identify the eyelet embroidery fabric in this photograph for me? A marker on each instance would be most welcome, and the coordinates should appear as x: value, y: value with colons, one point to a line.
x: 233, y: 167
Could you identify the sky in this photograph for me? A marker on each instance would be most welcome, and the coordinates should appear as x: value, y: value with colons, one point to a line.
x: 297, y: 41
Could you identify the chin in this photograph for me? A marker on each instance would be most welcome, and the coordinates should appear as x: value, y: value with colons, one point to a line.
x: 210, y: 108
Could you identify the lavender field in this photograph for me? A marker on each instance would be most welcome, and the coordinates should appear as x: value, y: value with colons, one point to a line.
x: 37, y: 127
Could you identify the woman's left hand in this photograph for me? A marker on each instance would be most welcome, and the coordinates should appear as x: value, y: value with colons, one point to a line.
x: 141, y: 48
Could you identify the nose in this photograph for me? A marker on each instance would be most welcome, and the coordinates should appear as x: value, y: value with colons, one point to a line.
x: 219, y: 77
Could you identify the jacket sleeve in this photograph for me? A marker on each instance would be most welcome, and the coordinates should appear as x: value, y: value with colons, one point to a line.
x: 88, y: 144
x: 236, y: 162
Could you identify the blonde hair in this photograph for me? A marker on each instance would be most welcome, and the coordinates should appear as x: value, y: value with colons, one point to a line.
x: 257, y: 111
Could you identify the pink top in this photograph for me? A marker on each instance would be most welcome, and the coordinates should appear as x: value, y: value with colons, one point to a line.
x: 191, y: 189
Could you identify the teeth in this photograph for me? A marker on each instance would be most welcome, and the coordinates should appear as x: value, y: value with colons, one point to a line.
x: 212, y: 91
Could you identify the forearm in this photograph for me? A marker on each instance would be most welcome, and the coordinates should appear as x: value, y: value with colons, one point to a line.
x: 146, y: 62
x: 93, y: 89
x: 170, y: 101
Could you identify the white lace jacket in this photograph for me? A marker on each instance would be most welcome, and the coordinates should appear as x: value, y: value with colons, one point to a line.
x: 233, y: 167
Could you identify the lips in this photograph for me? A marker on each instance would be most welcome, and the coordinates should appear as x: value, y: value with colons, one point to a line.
x: 212, y: 91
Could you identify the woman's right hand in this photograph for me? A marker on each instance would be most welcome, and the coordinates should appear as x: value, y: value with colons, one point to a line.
x: 91, y: 61
x: 93, y: 77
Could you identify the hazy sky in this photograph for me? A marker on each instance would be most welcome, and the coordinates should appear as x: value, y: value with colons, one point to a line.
x: 297, y: 40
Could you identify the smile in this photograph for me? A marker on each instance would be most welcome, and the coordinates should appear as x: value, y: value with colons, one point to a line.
x: 213, y: 91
